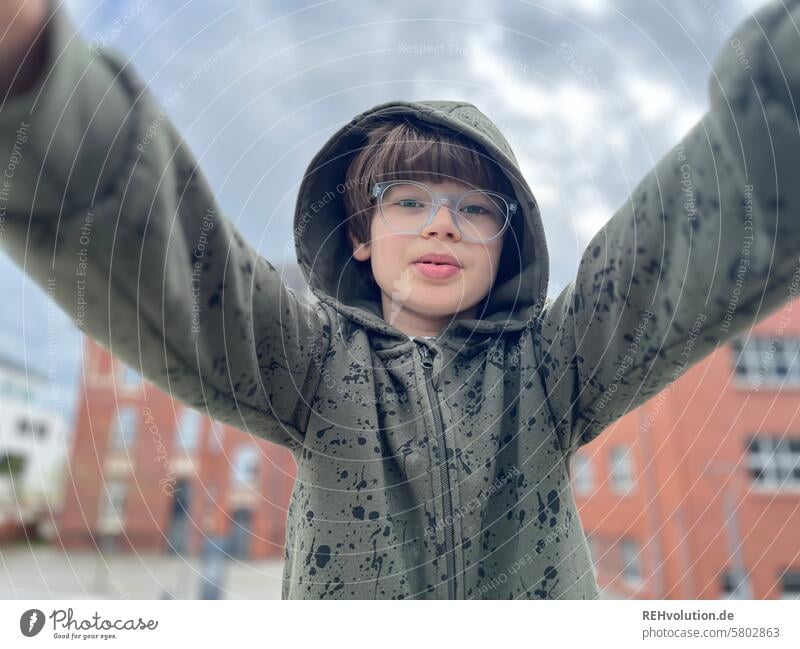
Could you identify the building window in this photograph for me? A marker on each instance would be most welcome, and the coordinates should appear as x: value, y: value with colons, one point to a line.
x: 245, y: 465
x: 131, y: 379
x: 189, y: 429
x: 621, y: 470
x: 112, y: 506
x: 774, y: 462
x: 11, y: 465
x: 734, y: 585
x: 631, y: 565
x: 582, y: 474
x: 790, y: 585
x: 241, y: 535
x: 124, y: 432
x: 41, y: 429
x: 766, y: 361
x: 28, y: 427
x: 216, y: 437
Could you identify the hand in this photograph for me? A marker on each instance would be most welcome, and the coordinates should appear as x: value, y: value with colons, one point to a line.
x: 20, y: 23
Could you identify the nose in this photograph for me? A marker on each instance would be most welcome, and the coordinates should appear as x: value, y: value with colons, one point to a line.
x: 442, y: 224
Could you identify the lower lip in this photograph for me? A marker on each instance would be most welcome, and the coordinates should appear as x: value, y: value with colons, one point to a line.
x: 437, y: 271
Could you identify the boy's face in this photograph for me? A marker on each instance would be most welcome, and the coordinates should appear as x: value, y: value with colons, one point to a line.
x: 421, y: 300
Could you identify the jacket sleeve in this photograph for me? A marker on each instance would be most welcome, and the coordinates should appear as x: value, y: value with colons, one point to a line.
x: 103, y: 205
x: 707, y: 244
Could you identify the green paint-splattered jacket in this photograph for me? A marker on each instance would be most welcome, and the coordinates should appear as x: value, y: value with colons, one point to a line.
x: 427, y: 468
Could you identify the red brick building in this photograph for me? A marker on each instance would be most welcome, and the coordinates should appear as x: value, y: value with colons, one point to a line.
x: 146, y: 473
x: 696, y: 495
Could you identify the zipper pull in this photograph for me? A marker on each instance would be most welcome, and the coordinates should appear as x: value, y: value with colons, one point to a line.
x: 430, y: 360
x: 427, y: 363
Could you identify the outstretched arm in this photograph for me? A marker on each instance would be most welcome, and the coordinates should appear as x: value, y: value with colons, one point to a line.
x: 22, y: 48
x: 707, y: 244
x: 103, y: 205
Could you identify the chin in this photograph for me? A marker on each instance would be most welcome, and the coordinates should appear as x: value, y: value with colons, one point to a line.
x: 442, y: 308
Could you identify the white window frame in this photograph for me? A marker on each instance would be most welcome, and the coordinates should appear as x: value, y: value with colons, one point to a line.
x: 118, y: 432
x: 245, y: 466
x: 630, y: 561
x: 794, y: 593
x: 129, y: 379
x: 113, y: 499
x: 729, y: 591
x: 216, y: 436
x: 771, y: 362
x: 621, y: 469
x: 582, y: 474
x: 777, y: 459
x: 190, y: 426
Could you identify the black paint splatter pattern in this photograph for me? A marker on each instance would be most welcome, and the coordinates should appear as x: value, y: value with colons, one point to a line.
x: 417, y: 482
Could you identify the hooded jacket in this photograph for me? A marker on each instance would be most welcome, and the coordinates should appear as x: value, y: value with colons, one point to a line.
x: 426, y: 467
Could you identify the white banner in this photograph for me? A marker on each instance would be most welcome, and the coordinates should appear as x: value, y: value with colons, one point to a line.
x: 617, y: 623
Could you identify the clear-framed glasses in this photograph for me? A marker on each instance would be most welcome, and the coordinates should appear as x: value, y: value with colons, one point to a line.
x: 409, y: 206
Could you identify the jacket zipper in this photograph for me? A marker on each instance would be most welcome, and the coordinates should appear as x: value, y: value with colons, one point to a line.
x: 447, y: 501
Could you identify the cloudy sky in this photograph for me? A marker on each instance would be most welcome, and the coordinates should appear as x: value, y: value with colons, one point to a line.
x: 590, y: 95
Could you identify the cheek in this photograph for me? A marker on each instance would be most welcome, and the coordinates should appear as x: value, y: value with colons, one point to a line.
x: 497, y: 252
x: 388, y: 251
x: 488, y: 260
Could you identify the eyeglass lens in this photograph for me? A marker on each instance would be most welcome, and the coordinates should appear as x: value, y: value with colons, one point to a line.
x: 480, y: 215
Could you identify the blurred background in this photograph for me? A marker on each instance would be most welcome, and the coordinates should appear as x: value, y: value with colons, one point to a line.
x: 110, y: 489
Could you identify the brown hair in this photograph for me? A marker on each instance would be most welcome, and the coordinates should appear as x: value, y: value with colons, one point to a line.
x: 405, y: 148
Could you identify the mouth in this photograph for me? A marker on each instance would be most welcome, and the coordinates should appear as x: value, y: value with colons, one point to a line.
x: 438, y: 266
x: 446, y: 260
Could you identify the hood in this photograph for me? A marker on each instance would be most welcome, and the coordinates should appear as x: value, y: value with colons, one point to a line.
x: 325, y: 255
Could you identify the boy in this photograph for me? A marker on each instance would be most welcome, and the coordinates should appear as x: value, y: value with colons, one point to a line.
x: 432, y: 396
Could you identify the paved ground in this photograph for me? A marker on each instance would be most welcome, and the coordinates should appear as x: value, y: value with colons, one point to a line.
x: 46, y: 572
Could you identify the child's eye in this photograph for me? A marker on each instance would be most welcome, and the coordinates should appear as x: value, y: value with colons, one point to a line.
x: 476, y: 210
x: 410, y: 203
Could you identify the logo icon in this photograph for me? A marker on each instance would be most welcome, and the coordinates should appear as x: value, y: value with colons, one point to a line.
x: 31, y: 622
x: 402, y: 290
